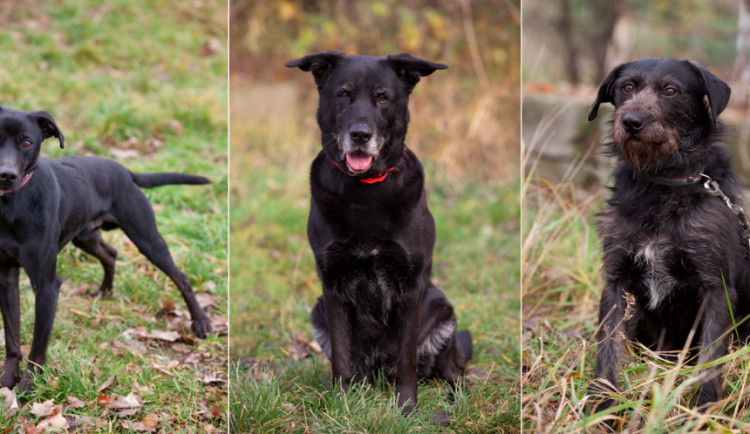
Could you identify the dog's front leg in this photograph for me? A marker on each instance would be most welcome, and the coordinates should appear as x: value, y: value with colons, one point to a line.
x: 407, y: 325
x: 615, y: 308
x: 46, y: 286
x: 340, y: 335
x: 10, y: 306
x: 714, y: 323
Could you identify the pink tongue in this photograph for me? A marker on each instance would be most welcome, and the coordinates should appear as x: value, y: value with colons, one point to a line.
x: 358, y: 162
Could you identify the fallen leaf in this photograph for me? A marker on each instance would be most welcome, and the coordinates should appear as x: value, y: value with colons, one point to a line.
x: 124, y: 154
x: 163, y: 335
x: 214, y: 378
x: 205, y: 300
x: 74, y: 402
x: 57, y: 421
x: 44, y: 409
x: 10, y: 403
x: 102, y: 399
x: 122, y: 402
x: 107, y: 384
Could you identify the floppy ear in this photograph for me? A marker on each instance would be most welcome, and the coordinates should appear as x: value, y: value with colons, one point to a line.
x: 409, y: 69
x: 606, y: 92
x: 48, y: 125
x: 320, y: 64
x: 717, y: 90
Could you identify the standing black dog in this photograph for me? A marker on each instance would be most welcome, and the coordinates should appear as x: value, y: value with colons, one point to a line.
x: 371, y: 231
x: 675, y: 258
x: 44, y: 204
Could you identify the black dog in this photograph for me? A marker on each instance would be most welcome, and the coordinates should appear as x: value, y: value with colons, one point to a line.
x: 371, y: 231
x: 47, y: 203
x: 674, y: 252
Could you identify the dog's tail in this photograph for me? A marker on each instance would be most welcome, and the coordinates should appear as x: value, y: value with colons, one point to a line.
x: 149, y: 180
x: 464, y: 339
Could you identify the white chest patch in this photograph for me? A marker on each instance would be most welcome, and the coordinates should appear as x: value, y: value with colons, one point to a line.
x: 652, y: 258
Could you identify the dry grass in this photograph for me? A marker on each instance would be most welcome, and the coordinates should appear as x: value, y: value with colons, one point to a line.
x: 561, y: 289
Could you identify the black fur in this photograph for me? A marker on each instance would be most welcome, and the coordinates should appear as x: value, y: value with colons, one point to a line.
x: 46, y: 204
x: 669, y: 246
x: 373, y: 242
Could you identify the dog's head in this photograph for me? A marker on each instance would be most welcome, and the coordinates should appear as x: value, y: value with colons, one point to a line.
x: 663, y: 108
x: 363, y: 109
x: 21, y: 137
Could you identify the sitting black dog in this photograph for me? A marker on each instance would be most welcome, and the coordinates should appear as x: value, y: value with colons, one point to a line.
x: 44, y: 204
x: 675, y: 240
x: 371, y: 231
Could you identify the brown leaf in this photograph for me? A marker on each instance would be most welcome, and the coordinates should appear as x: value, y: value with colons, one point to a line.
x: 307, y: 343
x: 9, y: 404
x: 163, y: 335
x: 126, y: 402
x: 166, y: 308
x: 74, y: 402
x: 214, y: 378
x: 205, y: 300
x: 57, y: 421
x: 44, y: 409
x: 102, y: 399
x: 107, y: 384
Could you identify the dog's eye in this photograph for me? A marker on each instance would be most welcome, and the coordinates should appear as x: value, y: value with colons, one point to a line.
x: 26, y: 143
x: 628, y: 88
x: 344, y: 93
x: 381, y: 97
x: 670, y: 91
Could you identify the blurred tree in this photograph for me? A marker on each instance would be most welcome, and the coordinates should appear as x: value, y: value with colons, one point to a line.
x: 742, y: 61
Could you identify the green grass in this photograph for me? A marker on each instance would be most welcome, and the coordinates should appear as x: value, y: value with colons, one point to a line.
x: 278, y: 384
x: 562, y: 285
x: 115, y: 75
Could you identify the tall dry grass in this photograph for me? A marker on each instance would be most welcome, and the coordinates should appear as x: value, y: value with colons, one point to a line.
x: 561, y: 288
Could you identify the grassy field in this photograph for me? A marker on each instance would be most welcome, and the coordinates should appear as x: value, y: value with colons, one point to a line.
x: 561, y: 289
x: 143, y: 82
x: 279, y: 381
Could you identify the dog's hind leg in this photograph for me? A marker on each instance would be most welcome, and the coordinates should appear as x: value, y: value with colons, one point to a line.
x: 10, y: 305
x: 439, y: 342
x: 712, y: 346
x: 320, y: 326
x: 94, y: 245
x: 138, y: 222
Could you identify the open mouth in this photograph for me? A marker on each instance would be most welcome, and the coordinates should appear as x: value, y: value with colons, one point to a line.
x: 358, y: 161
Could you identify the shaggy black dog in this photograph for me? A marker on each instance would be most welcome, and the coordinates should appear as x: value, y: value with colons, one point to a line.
x: 371, y: 231
x: 674, y: 256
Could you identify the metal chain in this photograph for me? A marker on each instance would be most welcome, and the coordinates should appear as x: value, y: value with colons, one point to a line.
x: 713, y: 188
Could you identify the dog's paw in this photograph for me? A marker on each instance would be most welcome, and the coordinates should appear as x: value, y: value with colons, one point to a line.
x: 201, y: 327
x: 102, y: 292
x: 25, y: 387
x: 8, y: 379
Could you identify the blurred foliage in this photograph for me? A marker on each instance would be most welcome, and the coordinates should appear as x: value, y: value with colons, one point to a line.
x: 463, y: 34
x: 699, y: 30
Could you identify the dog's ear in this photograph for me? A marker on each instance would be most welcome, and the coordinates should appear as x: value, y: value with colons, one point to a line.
x: 715, y: 89
x: 48, y: 125
x: 320, y: 64
x: 606, y: 92
x: 409, y: 69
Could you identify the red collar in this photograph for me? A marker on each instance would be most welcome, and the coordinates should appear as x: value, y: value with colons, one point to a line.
x: 26, y: 178
x: 373, y: 179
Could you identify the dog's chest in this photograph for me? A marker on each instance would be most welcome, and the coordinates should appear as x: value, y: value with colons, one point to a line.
x: 371, y: 277
x: 655, y: 258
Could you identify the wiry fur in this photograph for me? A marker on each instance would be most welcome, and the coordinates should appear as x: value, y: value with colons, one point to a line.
x: 669, y: 252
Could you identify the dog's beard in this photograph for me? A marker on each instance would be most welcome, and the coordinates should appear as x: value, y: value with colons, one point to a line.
x: 647, y: 148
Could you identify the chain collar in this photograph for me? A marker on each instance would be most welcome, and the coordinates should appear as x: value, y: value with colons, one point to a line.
x: 713, y: 188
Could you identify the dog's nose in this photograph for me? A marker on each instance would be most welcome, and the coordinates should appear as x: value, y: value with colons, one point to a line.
x: 632, y: 122
x: 360, y: 133
x: 8, y: 174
